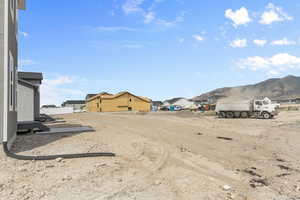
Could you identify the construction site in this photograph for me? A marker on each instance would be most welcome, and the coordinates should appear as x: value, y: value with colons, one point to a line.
x: 232, y: 143
x: 163, y: 155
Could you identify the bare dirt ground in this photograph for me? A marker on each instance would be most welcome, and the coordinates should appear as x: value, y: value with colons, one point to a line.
x: 161, y: 156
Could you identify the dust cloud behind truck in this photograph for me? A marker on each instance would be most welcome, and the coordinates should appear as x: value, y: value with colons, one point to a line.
x: 259, y: 108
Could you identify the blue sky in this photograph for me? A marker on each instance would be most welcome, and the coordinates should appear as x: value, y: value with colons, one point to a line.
x: 157, y: 48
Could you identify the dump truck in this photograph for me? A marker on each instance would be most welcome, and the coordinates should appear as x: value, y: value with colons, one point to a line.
x: 259, y: 108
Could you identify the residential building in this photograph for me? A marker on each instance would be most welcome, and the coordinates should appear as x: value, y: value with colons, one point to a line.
x: 8, y: 68
x: 88, y: 96
x: 123, y: 101
x: 156, y: 105
x: 49, y: 106
x: 75, y: 104
x: 29, y: 95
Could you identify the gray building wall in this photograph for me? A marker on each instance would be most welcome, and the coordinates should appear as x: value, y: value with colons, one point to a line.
x: 75, y: 106
x: 37, y: 83
x: 25, y: 102
x: 11, y: 122
x: 1, y: 66
x: 37, y: 103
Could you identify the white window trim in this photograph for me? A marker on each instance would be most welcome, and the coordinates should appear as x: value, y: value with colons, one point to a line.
x: 5, y: 60
x: 12, y: 8
x: 16, y: 88
x: 11, y: 67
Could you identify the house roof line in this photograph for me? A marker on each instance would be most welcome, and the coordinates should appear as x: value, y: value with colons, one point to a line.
x: 98, y: 95
x: 110, y: 96
x: 27, y: 83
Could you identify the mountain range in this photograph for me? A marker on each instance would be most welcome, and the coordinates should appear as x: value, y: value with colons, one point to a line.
x: 275, y: 88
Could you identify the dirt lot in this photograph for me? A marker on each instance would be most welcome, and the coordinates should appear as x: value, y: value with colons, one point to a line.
x: 161, y: 156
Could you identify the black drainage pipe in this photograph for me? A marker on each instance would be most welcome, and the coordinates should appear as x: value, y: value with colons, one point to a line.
x: 53, y: 157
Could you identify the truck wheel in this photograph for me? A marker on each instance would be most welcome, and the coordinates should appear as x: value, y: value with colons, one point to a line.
x: 237, y: 114
x: 222, y: 115
x: 266, y: 115
x: 244, y: 115
x: 229, y: 114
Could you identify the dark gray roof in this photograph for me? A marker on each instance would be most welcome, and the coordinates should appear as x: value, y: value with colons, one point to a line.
x: 73, y: 102
x: 88, y: 96
x: 30, y: 75
x: 27, y: 84
x: 157, y: 103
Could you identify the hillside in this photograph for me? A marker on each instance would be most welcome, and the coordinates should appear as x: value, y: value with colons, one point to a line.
x: 173, y: 100
x: 275, y: 88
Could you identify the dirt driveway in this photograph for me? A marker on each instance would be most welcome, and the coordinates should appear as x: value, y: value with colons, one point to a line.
x: 161, y: 156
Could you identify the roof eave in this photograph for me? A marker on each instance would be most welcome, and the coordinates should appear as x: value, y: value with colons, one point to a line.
x: 22, y: 4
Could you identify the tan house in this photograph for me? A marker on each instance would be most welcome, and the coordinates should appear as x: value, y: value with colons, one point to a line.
x: 123, y: 101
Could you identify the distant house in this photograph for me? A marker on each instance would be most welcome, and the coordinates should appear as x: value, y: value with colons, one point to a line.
x: 156, y: 103
x: 49, y: 106
x: 29, y: 95
x: 123, y: 101
x: 75, y: 104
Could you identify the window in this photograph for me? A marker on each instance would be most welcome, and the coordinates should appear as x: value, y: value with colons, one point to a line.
x: 265, y: 102
x: 11, y: 77
x: 258, y: 103
x: 16, y: 87
x: 130, y: 100
x: 98, y: 105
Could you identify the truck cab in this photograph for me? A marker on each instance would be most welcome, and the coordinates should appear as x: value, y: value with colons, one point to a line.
x: 265, y: 108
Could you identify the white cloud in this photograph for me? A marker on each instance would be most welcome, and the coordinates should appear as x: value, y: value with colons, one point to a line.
x: 273, y: 72
x: 271, y: 65
x: 131, y: 6
x: 273, y: 14
x: 25, y: 34
x: 199, y: 38
x: 239, y: 43
x: 54, y: 91
x: 61, y: 80
x: 254, y: 63
x: 114, y: 28
x: 239, y: 17
x: 282, y: 42
x: 26, y: 62
x: 166, y: 23
x: 181, y: 40
x: 149, y: 17
x: 260, y: 43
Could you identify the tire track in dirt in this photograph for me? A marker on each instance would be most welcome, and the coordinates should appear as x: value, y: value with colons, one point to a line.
x: 140, y: 182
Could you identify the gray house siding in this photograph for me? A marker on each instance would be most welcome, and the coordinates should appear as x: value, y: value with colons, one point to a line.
x: 1, y: 67
x: 34, y: 78
x: 26, y: 102
x: 6, y: 75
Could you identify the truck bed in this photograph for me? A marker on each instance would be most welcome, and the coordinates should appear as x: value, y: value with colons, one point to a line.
x: 242, y: 105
